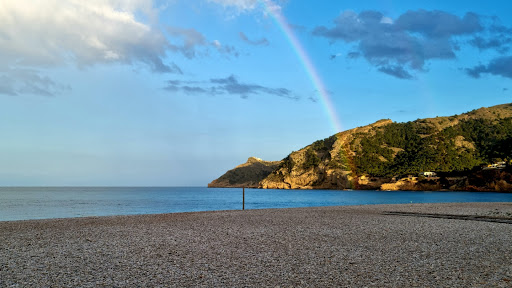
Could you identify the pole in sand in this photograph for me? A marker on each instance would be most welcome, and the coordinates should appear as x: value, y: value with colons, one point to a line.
x: 243, y: 198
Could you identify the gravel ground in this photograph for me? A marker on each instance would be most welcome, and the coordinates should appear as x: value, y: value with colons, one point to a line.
x: 351, y: 246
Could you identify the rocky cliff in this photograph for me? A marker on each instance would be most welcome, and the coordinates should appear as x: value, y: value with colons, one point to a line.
x: 325, y: 164
x: 384, y: 155
x: 247, y: 175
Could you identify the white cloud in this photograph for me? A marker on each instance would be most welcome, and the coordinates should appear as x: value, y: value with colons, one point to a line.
x: 60, y: 32
x: 192, y: 43
x: 216, y: 43
x: 243, y: 5
x: 386, y: 20
x: 224, y: 49
x: 248, y: 5
x: 272, y: 7
x: 190, y: 38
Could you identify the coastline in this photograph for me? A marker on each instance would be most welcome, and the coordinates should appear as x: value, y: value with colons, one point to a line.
x: 350, y: 246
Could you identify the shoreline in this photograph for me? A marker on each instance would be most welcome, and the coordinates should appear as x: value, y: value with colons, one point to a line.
x: 248, y: 209
x: 349, y: 246
x: 372, y: 189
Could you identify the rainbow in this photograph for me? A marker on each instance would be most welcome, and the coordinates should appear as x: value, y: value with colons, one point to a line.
x: 304, y: 58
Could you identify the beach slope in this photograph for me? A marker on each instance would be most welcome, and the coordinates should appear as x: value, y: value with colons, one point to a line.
x: 351, y: 246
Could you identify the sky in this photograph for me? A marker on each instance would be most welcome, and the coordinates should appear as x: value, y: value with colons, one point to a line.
x: 175, y: 93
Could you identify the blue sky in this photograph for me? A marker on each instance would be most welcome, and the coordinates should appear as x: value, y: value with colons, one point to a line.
x: 174, y: 93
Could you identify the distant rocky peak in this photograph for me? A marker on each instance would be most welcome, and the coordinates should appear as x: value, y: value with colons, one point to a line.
x: 254, y: 159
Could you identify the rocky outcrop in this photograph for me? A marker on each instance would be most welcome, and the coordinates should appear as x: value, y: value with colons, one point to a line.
x: 479, y: 180
x: 325, y: 164
x: 247, y: 175
x: 412, y: 184
x: 490, y: 180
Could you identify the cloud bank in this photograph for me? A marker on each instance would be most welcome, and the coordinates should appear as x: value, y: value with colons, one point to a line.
x: 399, y: 47
x: 40, y: 35
x: 54, y: 32
x: 501, y: 66
x: 37, y: 35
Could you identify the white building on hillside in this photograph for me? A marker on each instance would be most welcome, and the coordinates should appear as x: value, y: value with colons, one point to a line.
x: 428, y: 174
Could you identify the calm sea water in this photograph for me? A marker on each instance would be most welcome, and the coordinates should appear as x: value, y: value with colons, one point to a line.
x: 22, y: 203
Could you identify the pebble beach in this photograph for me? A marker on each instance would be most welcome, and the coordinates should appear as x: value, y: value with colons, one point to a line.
x: 406, y: 245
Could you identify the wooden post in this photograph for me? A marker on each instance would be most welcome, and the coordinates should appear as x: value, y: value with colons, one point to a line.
x: 243, y: 198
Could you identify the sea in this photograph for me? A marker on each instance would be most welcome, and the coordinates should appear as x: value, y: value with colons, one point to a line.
x: 24, y: 203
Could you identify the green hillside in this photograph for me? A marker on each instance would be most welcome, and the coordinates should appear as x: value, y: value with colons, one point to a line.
x: 413, y: 147
x: 381, y: 153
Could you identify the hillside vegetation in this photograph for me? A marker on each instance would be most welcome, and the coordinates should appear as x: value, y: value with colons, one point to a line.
x: 367, y: 157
